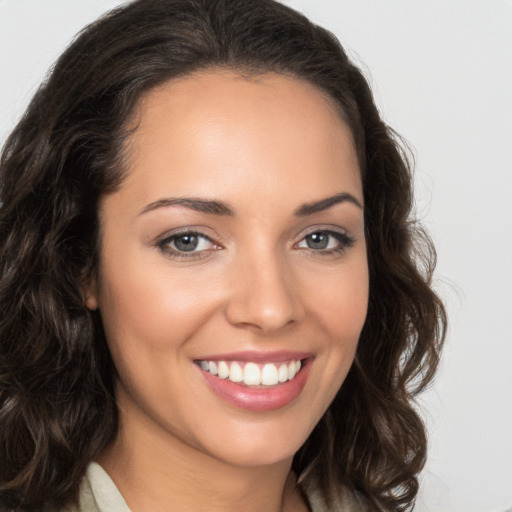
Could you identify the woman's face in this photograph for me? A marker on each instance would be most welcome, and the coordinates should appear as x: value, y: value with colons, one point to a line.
x: 232, y: 253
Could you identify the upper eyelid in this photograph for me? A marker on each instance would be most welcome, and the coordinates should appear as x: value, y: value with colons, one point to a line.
x: 164, y: 245
x: 323, y: 229
x: 171, y: 236
x: 344, y: 237
x: 176, y: 233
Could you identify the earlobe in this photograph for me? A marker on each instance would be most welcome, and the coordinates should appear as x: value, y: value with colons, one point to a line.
x: 91, y: 302
x: 91, y: 296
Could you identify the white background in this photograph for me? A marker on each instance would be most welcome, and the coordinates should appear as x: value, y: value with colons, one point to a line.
x: 442, y: 76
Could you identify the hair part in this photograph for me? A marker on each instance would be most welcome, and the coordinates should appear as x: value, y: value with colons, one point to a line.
x: 57, y: 403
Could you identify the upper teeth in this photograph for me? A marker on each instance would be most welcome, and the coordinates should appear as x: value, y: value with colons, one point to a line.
x: 253, y: 374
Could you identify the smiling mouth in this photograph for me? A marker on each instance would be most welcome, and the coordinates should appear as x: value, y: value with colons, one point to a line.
x: 253, y: 374
x: 257, y: 382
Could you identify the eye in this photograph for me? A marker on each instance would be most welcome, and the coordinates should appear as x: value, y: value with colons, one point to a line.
x: 186, y: 244
x: 326, y: 241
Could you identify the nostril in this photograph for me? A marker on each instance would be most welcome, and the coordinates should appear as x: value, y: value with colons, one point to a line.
x: 263, y: 313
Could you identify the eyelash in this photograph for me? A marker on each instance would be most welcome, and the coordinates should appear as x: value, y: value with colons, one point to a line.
x: 165, y: 246
x: 344, y: 240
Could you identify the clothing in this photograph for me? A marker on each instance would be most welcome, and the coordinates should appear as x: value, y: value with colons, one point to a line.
x: 98, y: 493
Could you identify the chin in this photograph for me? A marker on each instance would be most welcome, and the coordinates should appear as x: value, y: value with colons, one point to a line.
x: 258, y: 456
x: 262, y: 443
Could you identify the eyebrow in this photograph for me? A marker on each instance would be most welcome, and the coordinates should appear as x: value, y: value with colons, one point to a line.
x: 223, y: 209
x: 199, y: 205
x: 325, y: 204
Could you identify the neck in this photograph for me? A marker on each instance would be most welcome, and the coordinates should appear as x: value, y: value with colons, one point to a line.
x: 156, y: 471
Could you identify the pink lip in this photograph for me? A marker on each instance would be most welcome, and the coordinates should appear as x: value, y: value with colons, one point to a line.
x: 259, y: 399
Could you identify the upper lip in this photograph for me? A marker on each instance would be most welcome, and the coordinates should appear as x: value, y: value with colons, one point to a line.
x: 258, y: 356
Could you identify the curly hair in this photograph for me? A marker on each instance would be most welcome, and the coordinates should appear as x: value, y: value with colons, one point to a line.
x: 57, y: 403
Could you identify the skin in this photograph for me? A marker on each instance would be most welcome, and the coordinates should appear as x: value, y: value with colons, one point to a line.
x: 265, y: 146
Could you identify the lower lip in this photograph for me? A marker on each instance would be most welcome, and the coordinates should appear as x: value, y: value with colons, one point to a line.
x: 259, y: 399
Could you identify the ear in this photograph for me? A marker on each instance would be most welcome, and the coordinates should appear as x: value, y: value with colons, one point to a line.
x: 90, y: 293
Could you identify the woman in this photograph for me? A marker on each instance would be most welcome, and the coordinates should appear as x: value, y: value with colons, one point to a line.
x: 212, y: 294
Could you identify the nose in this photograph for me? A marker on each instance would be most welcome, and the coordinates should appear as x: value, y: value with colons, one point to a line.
x: 264, y: 295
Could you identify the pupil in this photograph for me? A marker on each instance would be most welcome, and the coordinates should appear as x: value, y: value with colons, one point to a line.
x: 186, y: 242
x: 317, y: 240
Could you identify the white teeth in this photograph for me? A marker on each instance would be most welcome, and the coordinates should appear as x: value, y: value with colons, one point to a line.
x: 269, y: 375
x: 291, y: 370
x: 283, y: 373
x: 253, y: 374
x: 223, y: 370
x: 212, y: 367
x: 236, y: 373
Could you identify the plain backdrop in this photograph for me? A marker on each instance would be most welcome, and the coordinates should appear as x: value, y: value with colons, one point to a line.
x: 441, y: 72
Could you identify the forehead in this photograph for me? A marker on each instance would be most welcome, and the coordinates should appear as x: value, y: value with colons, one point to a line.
x: 217, y: 127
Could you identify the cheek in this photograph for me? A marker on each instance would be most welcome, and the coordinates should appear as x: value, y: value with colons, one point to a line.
x: 342, y: 302
x: 149, y: 315
x: 145, y: 302
x: 341, y: 311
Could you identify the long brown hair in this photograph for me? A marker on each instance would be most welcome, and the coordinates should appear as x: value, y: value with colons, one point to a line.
x: 57, y: 405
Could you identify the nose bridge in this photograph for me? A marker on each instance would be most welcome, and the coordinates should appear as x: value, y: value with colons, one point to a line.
x: 263, y: 294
